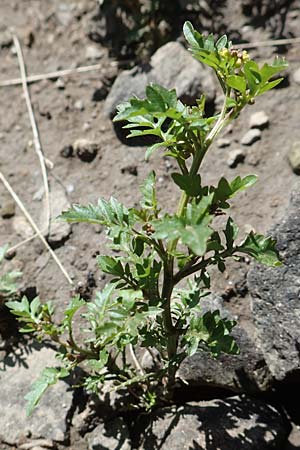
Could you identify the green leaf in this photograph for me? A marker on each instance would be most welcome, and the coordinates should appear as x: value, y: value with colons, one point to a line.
x: 195, y: 237
x: 105, y: 213
x: 227, y: 190
x: 189, y: 183
x: 149, y: 194
x: 48, y: 377
x: 231, y: 233
x: 221, y: 42
x: 262, y: 248
x: 191, y: 35
x: 239, y: 184
x: 75, y: 304
x: 195, y: 212
x: 213, y: 331
x: 98, y: 364
x: 270, y: 85
x: 152, y: 149
x: 167, y: 228
x: 111, y: 265
x: 237, y: 82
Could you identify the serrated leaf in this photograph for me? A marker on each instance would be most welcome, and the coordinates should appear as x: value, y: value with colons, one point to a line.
x: 104, y: 213
x: 167, y: 228
x: 111, y: 265
x: 189, y: 183
x: 262, y: 248
x: 48, y: 377
x: 195, y: 237
x: 213, y: 331
x: 149, y: 194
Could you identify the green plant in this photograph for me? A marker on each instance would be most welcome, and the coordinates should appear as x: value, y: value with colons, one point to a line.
x: 147, y: 304
x: 8, y: 287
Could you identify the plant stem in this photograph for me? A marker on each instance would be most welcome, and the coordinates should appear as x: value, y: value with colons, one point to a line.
x: 169, y: 281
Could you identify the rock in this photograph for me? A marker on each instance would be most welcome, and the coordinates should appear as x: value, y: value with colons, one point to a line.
x: 60, y: 84
x: 93, y: 52
x: 59, y: 231
x: 230, y: 424
x: 79, y: 105
x: 275, y: 296
x: 246, y: 372
x: 294, y: 157
x: 49, y: 420
x: 235, y: 157
x: 296, y: 76
x: 131, y: 170
x: 67, y: 151
x: 64, y: 13
x: 6, y: 39
x: 41, y: 443
x: 223, y: 142
x: 22, y: 227
x: 7, y: 209
x: 173, y: 67
x: 86, y: 150
x: 110, y: 436
x: 259, y: 120
x: 251, y: 136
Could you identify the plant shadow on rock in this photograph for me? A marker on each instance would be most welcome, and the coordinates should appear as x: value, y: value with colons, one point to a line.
x: 241, y: 423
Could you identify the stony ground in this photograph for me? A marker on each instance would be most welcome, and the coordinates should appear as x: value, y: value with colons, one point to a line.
x: 71, y: 109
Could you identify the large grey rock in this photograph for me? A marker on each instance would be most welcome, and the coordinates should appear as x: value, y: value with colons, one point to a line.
x: 171, y: 66
x: 113, y: 435
x: 49, y: 420
x: 231, y: 424
x: 246, y: 372
x: 276, y: 297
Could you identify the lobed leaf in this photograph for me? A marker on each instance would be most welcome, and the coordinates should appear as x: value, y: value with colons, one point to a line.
x: 262, y: 248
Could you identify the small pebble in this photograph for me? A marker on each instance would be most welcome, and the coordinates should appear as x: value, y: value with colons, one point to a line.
x: 86, y: 126
x: 79, y: 105
x: 251, y: 136
x: 223, y: 142
x: 93, y: 52
x: 259, y: 120
x: 60, y: 84
x: 294, y: 157
x: 131, y: 170
x: 7, y: 210
x: 235, y: 157
x: 86, y: 150
x: 67, y: 151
